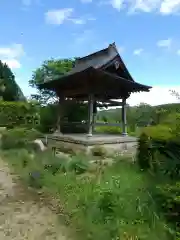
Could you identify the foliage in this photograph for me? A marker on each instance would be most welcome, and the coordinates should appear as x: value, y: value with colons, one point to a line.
x: 158, y: 132
x: 48, y: 70
x: 164, y: 163
x: 69, y: 118
x: 118, y: 206
x: 48, y: 116
x: 11, y: 90
x: 18, y: 137
x: 141, y: 115
x: 108, y: 129
x: 78, y: 164
x: 168, y: 197
x: 14, y: 114
x: 143, y: 152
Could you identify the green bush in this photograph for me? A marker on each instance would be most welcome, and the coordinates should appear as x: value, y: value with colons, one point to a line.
x: 108, y: 129
x: 13, y: 114
x: 158, y: 132
x: 72, y: 112
x: 168, y: 198
x: 164, y: 161
x: 144, y: 152
x: 164, y: 149
x: 18, y: 138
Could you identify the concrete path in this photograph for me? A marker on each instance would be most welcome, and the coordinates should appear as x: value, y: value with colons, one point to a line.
x: 23, y: 218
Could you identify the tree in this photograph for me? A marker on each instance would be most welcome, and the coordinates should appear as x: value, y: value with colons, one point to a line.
x: 9, y: 89
x: 48, y: 70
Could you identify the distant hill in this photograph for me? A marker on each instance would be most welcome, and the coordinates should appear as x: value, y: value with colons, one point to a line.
x: 140, y: 115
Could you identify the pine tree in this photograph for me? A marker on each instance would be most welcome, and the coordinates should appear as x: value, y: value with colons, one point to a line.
x: 9, y: 89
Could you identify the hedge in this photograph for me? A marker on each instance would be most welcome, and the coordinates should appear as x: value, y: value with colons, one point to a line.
x: 14, y: 114
x: 159, y: 151
x: 18, y: 138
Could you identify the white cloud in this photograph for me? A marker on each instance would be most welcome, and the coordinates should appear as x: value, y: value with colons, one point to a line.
x: 117, y: 4
x: 13, y: 51
x: 82, y: 20
x: 165, y: 43
x: 138, y: 51
x: 77, y: 20
x: 12, y: 63
x: 153, y: 98
x: 145, y: 5
x: 58, y: 16
x: 161, y: 6
x: 11, y: 55
x: 170, y: 6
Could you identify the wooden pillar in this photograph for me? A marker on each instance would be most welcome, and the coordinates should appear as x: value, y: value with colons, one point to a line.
x: 60, y: 108
x: 90, y: 115
x: 124, y: 121
x: 94, y: 114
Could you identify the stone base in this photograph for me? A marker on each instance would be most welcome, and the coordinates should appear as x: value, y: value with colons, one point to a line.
x: 112, y: 143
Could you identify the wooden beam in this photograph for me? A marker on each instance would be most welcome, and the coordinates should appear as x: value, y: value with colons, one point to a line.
x: 73, y: 92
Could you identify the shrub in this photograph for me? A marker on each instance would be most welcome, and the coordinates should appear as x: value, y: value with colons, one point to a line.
x: 108, y: 129
x: 159, y: 132
x: 168, y: 198
x: 99, y: 151
x: 18, y: 137
x: 13, y: 114
x: 143, y: 152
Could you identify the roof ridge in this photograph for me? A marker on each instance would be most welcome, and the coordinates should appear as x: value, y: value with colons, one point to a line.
x: 97, y: 52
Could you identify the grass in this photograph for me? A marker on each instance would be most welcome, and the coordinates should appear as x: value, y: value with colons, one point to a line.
x: 110, y: 204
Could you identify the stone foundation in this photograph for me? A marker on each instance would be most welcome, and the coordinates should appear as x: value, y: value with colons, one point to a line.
x: 80, y: 142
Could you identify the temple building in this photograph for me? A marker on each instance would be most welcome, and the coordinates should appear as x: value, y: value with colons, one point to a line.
x: 100, y: 77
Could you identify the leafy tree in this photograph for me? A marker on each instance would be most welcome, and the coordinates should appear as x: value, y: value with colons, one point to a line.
x: 48, y: 70
x: 9, y: 89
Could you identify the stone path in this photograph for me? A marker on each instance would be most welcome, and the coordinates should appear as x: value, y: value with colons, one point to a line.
x: 21, y: 216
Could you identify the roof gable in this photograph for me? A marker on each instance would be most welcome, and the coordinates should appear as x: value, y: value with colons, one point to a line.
x: 103, y: 59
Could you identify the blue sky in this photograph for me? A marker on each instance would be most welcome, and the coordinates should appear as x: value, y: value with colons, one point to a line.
x: 146, y: 32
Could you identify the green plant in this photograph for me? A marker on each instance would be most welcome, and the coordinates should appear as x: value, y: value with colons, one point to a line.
x: 56, y: 165
x: 143, y: 152
x: 78, y: 164
x: 98, y: 151
x: 18, y: 137
x: 108, y: 129
x: 15, y: 114
x: 117, y: 206
x: 168, y: 197
x: 158, y: 132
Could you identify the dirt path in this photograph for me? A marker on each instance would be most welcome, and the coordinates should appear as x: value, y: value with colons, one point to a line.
x: 21, y: 216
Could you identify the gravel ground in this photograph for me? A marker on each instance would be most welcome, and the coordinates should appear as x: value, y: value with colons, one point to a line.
x: 21, y: 216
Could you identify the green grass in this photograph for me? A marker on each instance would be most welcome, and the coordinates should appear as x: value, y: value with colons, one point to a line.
x: 112, y: 203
